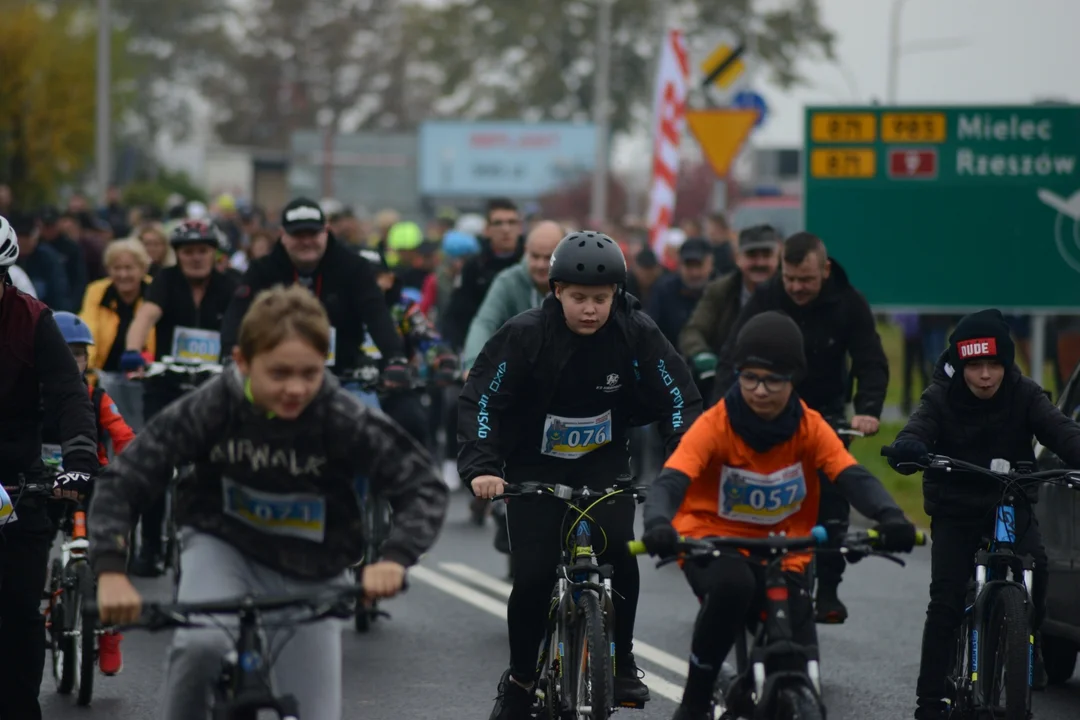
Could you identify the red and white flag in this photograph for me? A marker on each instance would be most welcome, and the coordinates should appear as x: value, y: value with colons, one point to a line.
x: 669, y: 121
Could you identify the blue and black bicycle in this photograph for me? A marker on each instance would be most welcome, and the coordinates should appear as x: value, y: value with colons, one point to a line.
x: 993, y: 668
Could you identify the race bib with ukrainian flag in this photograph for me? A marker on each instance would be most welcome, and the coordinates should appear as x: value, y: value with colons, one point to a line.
x: 370, y: 348
x: 752, y: 497
x: 52, y: 456
x: 192, y: 345
x: 331, y: 356
x: 571, y: 438
x: 296, y: 515
x: 7, y: 508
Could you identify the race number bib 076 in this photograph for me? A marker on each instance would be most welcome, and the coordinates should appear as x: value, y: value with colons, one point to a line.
x: 571, y: 438
x: 192, y: 345
x: 752, y: 497
x: 293, y: 515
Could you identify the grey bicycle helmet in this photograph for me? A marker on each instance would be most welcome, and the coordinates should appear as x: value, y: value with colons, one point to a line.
x: 587, y: 258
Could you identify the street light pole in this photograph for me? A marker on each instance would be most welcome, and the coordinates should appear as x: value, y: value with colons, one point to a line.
x: 601, y: 112
x: 894, y: 52
x: 104, y: 89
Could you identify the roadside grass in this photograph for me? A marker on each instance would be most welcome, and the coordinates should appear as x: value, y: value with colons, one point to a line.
x: 906, y: 490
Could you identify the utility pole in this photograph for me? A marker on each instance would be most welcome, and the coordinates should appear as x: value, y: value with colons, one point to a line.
x: 103, y: 118
x: 601, y: 111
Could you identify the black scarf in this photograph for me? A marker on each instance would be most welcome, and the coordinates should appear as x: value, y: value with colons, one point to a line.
x: 762, y: 435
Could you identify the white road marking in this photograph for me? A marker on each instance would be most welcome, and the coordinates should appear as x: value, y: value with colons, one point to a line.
x: 452, y: 587
x: 643, y: 650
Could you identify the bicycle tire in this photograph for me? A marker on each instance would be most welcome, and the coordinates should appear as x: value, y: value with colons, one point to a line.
x: 797, y: 702
x: 56, y: 620
x: 87, y: 637
x: 1008, y: 630
x: 70, y: 646
x: 593, y: 670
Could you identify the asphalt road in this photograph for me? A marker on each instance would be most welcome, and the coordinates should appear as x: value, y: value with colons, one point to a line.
x: 442, y: 652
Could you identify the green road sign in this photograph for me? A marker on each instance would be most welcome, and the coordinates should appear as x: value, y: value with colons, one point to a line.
x: 949, y: 208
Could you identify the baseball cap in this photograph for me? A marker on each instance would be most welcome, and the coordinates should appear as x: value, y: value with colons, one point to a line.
x: 758, y: 237
x: 694, y: 250
x: 302, y: 214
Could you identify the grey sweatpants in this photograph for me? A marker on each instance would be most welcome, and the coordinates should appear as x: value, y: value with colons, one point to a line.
x: 309, y: 663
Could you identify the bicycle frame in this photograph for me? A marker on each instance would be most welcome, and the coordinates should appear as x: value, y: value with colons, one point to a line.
x: 244, y: 688
x: 992, y: 566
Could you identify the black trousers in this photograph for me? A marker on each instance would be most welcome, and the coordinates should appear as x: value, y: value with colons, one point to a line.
x: 731, y: 589
x: 406, y: 410
x: 834, y: 511
x: 24, y: 558
x: 538, y: 528
x: 158, y: 394
x: 952, y: 566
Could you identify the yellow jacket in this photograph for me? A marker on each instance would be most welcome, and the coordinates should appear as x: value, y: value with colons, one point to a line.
x: 99, y: 313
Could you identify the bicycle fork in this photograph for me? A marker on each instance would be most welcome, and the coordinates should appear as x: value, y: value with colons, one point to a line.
x: 778, y: 627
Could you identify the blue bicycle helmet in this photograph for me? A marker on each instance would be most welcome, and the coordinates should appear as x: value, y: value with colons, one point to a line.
x: 456, y: 243
x: 73, y: 328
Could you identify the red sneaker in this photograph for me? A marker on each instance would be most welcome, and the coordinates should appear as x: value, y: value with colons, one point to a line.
x: 110, y: 661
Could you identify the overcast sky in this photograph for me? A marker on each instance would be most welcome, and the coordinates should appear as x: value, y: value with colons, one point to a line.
x: 1014, y: 51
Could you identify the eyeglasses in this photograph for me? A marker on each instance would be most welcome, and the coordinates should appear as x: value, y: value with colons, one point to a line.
x: 749, y: 382
x: 500, y: 223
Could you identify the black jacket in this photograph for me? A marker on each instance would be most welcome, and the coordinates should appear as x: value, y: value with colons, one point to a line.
x: 39, y: 380
x: 344, y: 282
x: 283, y: 492
x: 671, y: 304
x: 471, y: 289
x: 950, y: 421
x: 524, y: 374
x: 835, y: 325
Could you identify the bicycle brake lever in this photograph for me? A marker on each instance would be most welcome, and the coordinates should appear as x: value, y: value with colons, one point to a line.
x: 887, y: 556
x: 667, y: 561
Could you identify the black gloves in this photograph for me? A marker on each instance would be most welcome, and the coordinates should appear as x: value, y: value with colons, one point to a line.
x: 912, y: 452
x: 896, y: 533
x: 660, y: 538
x: 397, y: 374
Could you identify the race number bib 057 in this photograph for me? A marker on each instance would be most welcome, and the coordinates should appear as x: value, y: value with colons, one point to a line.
x: 192, y: 345
x: 751, y: 497
x: 7, y: 508
x: 571, y: 438
x: 293, y: 515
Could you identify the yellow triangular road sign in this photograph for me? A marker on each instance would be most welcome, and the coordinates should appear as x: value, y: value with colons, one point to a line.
x: 721, y: 134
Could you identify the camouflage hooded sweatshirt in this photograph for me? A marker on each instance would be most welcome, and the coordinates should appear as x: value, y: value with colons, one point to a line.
x: 282, y: 492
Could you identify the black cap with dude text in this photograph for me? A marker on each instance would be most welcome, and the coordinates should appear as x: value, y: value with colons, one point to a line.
x: 982, y: 335
x: 302, y: 214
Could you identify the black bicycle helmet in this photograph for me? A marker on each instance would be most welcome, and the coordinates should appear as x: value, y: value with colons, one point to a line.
x: 587, y: 258
x: 197, y: 232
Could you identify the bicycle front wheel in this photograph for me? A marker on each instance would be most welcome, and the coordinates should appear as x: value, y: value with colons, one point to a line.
x: 594, y: 677
x: 1008, y: 647
x: 87, y: 637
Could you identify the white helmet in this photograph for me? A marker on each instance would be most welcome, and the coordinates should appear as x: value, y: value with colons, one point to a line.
x: 9, y: 244
x: 471, y: 223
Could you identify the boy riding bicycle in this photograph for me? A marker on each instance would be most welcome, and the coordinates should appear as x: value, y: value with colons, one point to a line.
x: 747, y: 468
x: 271, y: 507
x: 551, y: 398
x: 78, y: 337
x: 978, y: 408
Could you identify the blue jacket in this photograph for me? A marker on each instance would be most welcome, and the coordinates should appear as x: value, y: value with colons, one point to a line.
x: 45, y: 266
x: 670, y: 305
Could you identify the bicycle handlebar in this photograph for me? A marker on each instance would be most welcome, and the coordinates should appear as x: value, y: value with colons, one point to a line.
x: 30, y: 489
x: 568, y: 494
x: 776, y: 544
x: 1063, y: 476
x: 164, y: 616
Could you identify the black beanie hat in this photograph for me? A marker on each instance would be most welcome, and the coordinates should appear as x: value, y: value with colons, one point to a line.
x: 982, y: 335
x: 771, y: 341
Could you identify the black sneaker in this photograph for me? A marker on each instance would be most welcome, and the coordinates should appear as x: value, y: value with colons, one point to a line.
x: 828, y: 609
x: 688, y: 713
x: 628, y: 685
x: 931, y: 710
x: 514, y: 702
